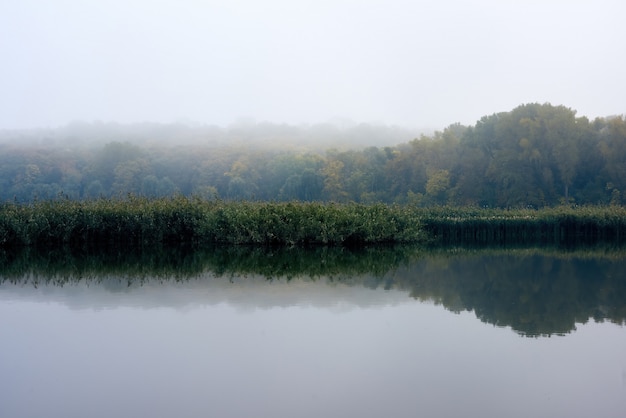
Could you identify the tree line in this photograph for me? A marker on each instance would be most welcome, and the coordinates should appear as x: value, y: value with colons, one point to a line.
x: 535, y: 155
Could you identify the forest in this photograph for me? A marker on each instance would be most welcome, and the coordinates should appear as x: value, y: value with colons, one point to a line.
x: 534, y: 156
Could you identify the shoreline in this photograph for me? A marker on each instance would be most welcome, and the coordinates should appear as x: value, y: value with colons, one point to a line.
x: 138, y: 221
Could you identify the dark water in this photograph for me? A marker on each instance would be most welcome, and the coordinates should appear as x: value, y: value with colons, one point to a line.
x: 240, y: 332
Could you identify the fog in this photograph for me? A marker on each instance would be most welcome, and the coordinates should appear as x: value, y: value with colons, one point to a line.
x: 416, y: 64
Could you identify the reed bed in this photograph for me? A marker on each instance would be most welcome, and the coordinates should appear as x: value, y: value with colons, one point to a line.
x: 136, y: 221
x: 140, y: 221
x: 555, y: 225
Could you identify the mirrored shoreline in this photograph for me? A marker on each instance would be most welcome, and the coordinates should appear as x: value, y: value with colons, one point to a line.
x: 539, y: 291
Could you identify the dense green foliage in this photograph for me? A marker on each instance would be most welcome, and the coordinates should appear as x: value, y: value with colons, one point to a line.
x: 142, y: 221
x: 562, y: 224
x: 139, y: 221
x: 536, y: 155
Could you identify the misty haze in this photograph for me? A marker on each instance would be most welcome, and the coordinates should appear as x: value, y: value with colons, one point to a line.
x: 312, y: 208
x: 536, y: 155
x: 414, y: 64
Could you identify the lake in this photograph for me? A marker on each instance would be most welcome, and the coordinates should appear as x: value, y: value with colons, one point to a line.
x: 245, y: 332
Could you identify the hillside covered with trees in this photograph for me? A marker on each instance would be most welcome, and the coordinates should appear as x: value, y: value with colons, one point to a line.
x: 536, y: 155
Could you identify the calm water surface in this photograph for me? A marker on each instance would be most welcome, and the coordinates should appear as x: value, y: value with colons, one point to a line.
x: 390, y: 344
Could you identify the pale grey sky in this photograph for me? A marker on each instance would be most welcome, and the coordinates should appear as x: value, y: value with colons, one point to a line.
x: 412, y: 63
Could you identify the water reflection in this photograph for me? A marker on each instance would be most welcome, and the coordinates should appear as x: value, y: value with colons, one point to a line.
x: 536, y: 292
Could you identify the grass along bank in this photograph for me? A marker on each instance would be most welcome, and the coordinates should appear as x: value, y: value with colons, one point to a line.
x: 140, y: 221
x: 549, y: 225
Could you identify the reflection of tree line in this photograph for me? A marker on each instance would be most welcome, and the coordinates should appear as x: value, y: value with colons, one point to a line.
x: 534, y: 291
x: 66, y: 265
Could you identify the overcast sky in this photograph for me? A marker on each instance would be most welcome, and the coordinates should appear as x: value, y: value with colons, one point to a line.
x: 414, y: 63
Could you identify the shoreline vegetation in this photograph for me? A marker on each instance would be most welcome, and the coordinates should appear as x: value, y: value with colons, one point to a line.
x: 140, y: 221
